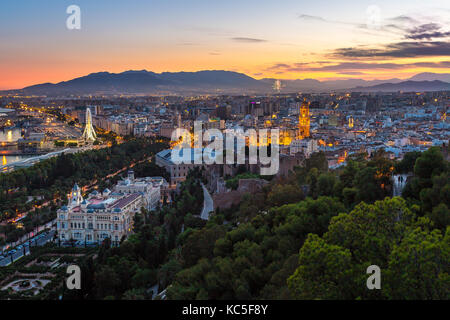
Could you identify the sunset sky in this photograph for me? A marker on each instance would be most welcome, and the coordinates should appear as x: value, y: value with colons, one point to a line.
x: 283, y: 39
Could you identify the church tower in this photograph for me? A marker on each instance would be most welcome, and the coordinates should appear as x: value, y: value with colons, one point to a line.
x: 303, y: 120
x: 351, y: 122
x: 75, y: 196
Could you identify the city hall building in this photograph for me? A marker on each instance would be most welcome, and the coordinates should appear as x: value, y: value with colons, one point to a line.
x: 108, y: 214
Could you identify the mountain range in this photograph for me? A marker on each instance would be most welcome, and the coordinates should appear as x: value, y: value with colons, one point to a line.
x: 222, y: 82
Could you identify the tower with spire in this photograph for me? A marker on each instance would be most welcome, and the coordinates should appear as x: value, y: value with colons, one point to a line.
x: 75, y: 197
x: 303, y: 120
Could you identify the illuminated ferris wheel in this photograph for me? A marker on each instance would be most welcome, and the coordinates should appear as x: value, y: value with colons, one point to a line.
x: 277, y: 86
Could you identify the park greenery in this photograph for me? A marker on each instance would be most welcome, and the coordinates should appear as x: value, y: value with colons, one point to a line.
x: 319, y: 247
x: 130, y: 270
x: 43, y: 263
x: 310, y: 235
x: 40, y: 216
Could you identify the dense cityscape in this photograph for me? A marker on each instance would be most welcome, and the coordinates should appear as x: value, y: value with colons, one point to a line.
x: 332, y: 131
x: 303, y: 180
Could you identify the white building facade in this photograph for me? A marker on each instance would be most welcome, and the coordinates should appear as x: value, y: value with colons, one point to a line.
x: 149, y: 187
x: 108, y: 214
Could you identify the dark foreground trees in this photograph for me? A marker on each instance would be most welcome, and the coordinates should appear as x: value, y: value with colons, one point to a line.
x: 255, y: 259
x: 414, y: 258
x: 408, y: 238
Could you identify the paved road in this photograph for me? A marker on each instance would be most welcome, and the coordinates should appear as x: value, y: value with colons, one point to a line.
x: 32, y: 160
x: 20, y: 252
x: 208, y: 204
x: 28, y: 236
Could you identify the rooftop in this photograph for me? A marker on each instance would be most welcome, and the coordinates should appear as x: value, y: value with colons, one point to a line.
x: 125, y: 200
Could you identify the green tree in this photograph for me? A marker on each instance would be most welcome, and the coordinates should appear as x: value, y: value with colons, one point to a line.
x: 134, y: 294
x: 325, y: 271
x: 414, y: 257
x: 143, y: 278
x: 406, y: 165
x: 106, y: 281
x: 317, y: 160
x: 325, y: 184
x: 371, y: 231
x: 430, y: 163
x: 440, y: 216
x: 419, y: 266
x: 285, y: 194
x: 369, y: 189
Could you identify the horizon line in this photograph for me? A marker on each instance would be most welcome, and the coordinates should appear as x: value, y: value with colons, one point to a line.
x: 212, y: 70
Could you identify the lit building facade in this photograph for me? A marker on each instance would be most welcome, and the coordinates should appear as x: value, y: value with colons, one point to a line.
x: 108, y: 214
x: 98, y: 217
x: 304, y: 120
x: 149, y: 187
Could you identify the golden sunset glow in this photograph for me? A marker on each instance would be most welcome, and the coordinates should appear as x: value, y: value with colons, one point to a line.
x: 288, y: 40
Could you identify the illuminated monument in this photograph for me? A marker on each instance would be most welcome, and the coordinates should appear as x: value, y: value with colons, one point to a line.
x: 303, y: 120
x: 351, y: 122
x: 89, y: 132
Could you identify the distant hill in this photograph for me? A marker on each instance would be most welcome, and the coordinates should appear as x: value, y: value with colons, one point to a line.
x: 146, y: 82
x: 408, y: 86
x: 312, y: 85
x: 221, y: 82
x: 429, y: 76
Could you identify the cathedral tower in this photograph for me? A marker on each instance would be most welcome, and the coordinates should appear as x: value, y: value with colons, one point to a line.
x: 303, y: 120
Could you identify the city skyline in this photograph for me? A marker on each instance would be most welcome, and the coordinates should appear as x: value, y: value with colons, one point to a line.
x: 293, y: 40
x: 252, y: 150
